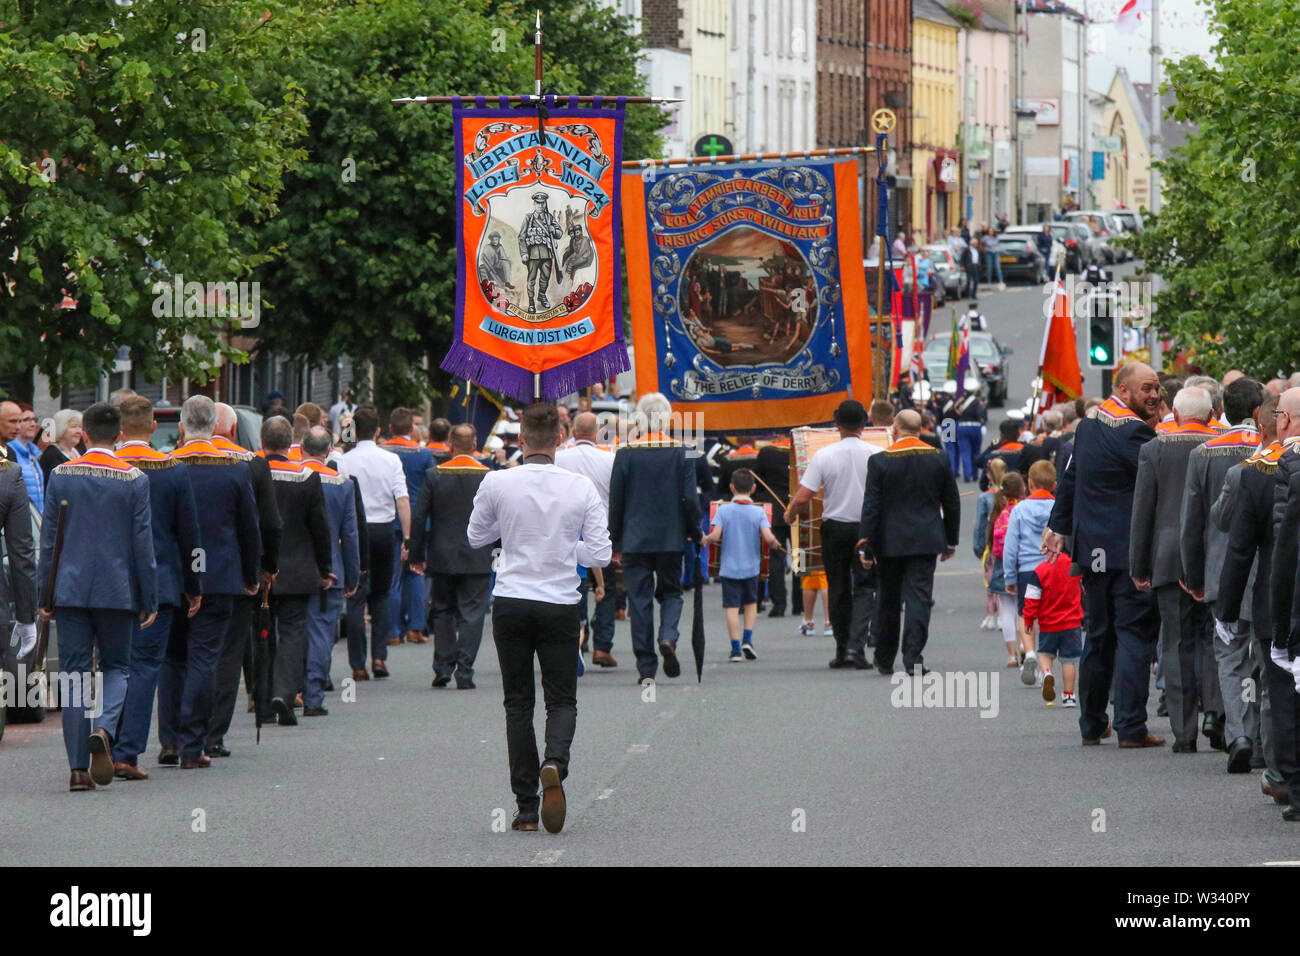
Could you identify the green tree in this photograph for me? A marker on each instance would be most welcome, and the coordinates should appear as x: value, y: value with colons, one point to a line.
x: 133, y: 150
x: 367, y: 223
x: 1227, y: 240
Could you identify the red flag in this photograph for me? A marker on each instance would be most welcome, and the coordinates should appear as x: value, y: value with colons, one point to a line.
x: 1059, y: 360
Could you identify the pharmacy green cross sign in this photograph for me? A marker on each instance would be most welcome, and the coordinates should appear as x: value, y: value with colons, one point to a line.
x: 713, y: 146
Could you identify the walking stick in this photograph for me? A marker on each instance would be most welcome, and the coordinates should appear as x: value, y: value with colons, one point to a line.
x: 42, y: 624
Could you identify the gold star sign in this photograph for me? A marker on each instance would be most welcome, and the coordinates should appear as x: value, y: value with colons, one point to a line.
x: 882, y: 120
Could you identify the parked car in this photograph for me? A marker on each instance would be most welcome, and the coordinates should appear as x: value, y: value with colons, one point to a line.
x: 1021, y: 259
x: 1108, y: 228
x: 1060, y: 253
x: 988, y: 357
x: 951, y: 276
x: 248, y: 432
x: 1129, y: 219
x: 935, y: 357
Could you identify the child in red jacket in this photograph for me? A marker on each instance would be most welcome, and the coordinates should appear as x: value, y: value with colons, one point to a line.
x: 1053, y: 599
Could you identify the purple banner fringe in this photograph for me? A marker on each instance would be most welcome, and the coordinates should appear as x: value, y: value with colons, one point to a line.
x: 464, y: 361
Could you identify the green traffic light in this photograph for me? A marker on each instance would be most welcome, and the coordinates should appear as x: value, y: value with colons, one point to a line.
x: 1099, y: 354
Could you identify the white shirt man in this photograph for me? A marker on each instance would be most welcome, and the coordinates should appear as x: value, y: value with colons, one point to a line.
x: 585, y: 458
x: 379, y: 474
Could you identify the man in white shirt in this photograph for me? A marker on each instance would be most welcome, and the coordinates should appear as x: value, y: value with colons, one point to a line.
x: 585, y: 457
x: 382, y: 481
x: 549, y: 521
x: 342, y: 407
x: 839, y: 471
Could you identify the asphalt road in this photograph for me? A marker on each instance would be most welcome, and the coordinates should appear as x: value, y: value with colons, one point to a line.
x: 779, y: 761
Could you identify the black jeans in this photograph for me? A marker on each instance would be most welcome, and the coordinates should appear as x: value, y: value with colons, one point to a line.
x: 521, y: 629
x: 905, y: 588
x: 1122, y: 628
x: 776, y: 568
x: 458, y: 604
x: 839, y: 554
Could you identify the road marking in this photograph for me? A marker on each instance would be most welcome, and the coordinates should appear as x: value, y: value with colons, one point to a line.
x: 546, y: 857
x: 953, y: 574
x: 638, y: 748
x: 604, y: 794
x: 1282, y: 863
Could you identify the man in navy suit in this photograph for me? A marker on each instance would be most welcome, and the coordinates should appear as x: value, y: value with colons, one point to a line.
x: 345, y: 564
x: 1094, y: 504
x: 407, y: 600
x: 228, y: 567
x: 654, y: 508
x: 176, y: 550
x: 106, y: 583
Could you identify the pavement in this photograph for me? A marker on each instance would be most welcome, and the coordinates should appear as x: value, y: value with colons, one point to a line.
x: 777, y: 761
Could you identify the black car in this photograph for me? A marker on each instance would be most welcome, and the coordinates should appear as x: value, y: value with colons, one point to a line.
x: 1021, y: 258
x: 989, y: 358
x: 248, y: 433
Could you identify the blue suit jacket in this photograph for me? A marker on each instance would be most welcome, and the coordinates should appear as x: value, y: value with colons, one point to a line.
x: 174, y: 518
x: 654, y: 502
x: 228, y: 528
x: 107, y: 559
x: 1094, y: 500
x: 341, y: 517
x: 416, y: 460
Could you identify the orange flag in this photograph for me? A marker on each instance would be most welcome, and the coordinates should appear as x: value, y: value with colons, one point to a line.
x: 1059, y: 359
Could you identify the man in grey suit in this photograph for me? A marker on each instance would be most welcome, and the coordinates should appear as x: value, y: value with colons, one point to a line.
x: 18, y: 636
x: 654, y: 508
x: 1204, y: 545
x: 1155, y: 561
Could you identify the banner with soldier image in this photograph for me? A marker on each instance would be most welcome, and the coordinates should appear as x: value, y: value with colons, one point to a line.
x: 539, y: 291
x: 747, y: 291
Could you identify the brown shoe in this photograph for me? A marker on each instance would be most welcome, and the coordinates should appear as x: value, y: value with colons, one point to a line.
x: 603, y: 659
x: 80, y: 780
x: 553, y: 806
x: 620, y: 615
x: 415, y: 637
x: 360, y: 675
x: 196, y: 763
x: 394, y: 641
x: 101, y: 757
x: 1147, y: 741
x: 297, y: 701
x: 1096, y: 741
x: 380, y: 669
x: 129, y: 771
x: 1274, y: 790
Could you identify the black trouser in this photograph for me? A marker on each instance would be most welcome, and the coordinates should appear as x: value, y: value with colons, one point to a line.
x: 1284, y: 727
x: 776, y: 568
x: 1123, y: 627
x: 905, y: 588
x: 839, y: 554
x: 458, y: 604
x: 1185, y: 648
x: 373, y: 593
x: 187, y: 684
x: 229, y: 665
x: 521, y: 629
x: 864, y: 611
x: 290, y: 668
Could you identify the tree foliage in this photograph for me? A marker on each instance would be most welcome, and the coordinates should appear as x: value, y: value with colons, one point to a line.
x: 133, y: 149
x: 367, y: 223
x: 1227, y: 240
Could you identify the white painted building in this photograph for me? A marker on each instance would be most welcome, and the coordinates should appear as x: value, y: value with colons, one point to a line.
x: 772, y: 55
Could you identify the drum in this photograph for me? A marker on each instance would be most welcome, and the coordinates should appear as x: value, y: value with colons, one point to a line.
x: 715, y: 551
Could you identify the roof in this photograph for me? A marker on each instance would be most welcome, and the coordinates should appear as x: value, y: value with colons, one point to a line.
x: 933, y: 11
x: 1173, y: 132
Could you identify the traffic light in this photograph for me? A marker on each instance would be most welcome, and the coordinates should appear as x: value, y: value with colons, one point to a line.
x: 1103, y: 341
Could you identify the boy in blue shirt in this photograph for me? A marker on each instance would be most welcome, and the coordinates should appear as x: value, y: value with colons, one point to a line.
x: 741, y: 559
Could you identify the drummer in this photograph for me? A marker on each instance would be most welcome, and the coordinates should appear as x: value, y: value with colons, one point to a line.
x: 839, y: 471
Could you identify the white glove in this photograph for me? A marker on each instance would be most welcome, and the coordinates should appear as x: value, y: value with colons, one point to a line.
x: 25, y: 636
x: 1225, y: 632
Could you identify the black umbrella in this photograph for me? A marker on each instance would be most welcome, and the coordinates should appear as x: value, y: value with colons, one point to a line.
x: 697, y: 625
x: 261, y: 659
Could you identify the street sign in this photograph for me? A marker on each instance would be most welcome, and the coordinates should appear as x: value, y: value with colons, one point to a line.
x: 713, y: 145
x: 1108, y: 144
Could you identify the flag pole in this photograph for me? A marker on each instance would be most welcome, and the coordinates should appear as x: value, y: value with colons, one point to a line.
x: 1038, y: 389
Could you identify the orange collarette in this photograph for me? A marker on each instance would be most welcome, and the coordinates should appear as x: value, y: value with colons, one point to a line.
x: 225, y: 444
x: 1194, y: 428
x: 744, y: 451
x: 311, y: 464
x: 143, y: 452
x: 1246, y: 438
x: 463, y: 461
x: 904, y: 444
x: 1116, y: 409
x: 1269, y: 453
x: 1041, y: 493
x: 1166, y: 427
x: 438, y: 446
x: 401, y: 441
x: 101, y: 459
x: 295, y: 453
x: 200, y: 446
x: 290, y: 466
